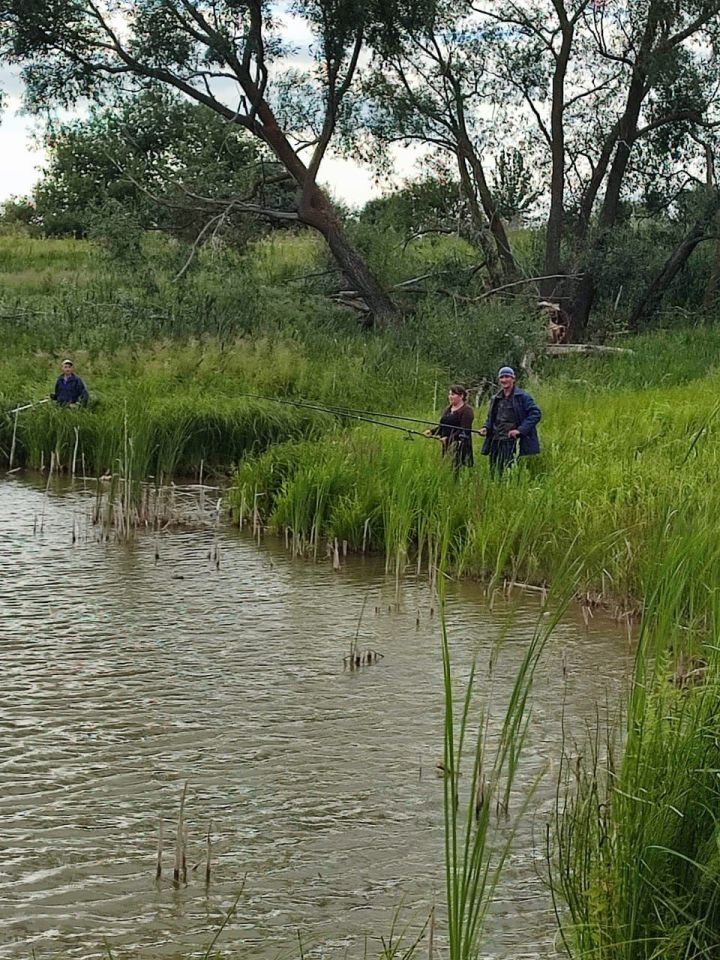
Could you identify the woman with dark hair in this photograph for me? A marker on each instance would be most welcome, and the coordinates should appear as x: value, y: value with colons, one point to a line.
x: 455, y: 427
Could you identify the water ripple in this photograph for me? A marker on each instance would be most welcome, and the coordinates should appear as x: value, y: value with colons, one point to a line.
x: 125, y: 676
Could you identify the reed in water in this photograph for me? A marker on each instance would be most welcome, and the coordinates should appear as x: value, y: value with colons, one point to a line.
x: 634, y: 851
x: 608, y: 486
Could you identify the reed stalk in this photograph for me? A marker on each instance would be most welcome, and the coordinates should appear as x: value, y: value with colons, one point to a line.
x: 479, y: 824
x: 634, y: 848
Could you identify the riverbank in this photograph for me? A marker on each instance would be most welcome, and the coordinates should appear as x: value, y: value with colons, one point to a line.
x: 630, y: 448
x: 626, y: 477
x: 626, y: 474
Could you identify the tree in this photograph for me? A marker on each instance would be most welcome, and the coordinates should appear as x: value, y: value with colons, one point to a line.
x: 432, y: 204
x: 225, y: 55
x: 426, y: 89
x: 618, y: 75
x: 609, y: 87
x: 165, y: 160
x: 513, y: 184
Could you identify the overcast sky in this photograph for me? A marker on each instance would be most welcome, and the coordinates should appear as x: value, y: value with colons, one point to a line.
x: 22, y: 159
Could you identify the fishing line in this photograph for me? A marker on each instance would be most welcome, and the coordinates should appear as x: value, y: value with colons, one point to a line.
x: 361, y: 414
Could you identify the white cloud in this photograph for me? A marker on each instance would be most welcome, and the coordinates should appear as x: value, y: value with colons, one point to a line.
x: 23, y: 157
x: 355, y: 183
x: 22, y: 160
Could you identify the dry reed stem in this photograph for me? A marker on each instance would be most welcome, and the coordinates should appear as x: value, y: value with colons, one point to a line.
x: 12, y: 445
x: 158, y: 871
x: 179, y: 853
x: 75, y: 450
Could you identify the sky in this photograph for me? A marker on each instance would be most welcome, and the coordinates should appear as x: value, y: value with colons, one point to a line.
x: 22, y: 156
x: 21, y: 160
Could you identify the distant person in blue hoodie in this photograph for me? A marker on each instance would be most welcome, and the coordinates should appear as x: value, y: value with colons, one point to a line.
x: 69, y: 388
x: 510, y: 430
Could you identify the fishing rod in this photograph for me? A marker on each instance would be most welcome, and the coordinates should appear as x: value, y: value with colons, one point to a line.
x: 35, y: 403
x: 360, y: 414
x: 16, y: 411
x: 352, y: 416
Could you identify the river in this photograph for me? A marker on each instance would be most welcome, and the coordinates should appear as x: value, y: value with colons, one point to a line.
x: 198, y: 656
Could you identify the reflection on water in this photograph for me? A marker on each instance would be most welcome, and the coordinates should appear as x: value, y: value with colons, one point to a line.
x: 125, y: 676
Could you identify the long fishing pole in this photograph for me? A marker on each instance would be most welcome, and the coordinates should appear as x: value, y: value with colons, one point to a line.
x: 26, y: 406
x: 359, y: 414
x: 16, y: 411
x: 351, y: 416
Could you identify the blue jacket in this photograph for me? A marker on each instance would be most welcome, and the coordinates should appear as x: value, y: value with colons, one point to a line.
x: 528, y: 416
x: 72, y: 390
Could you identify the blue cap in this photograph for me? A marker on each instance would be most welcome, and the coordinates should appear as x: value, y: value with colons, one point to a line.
x: 506, y: 372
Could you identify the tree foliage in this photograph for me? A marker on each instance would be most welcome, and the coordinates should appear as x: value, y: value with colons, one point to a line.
x: 162, y: 159
x: 580, y: 112
x: 226, y: 56
x: 612, y: 99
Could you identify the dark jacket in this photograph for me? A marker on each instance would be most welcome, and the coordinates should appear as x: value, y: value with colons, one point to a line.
x: 528, y: 416
x: 72, y: 390
x: 455, y: 430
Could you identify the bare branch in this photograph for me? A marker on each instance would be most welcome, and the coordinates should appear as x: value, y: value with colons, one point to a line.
x: 517, y: 283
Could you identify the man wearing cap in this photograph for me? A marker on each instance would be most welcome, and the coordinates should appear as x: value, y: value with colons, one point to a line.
x: 69, y: 388
x: 510, y: 430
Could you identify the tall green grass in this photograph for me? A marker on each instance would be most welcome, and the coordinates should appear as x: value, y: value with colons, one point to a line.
x: 620, y: 476
x: 636, y: 857
x: 169, y: 436
x: 180, y: 355
x: 485, y: 742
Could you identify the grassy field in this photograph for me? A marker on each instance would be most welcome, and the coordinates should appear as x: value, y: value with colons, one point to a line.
x: 170, y: 365
x: 619, y: 508
x: 630, y: 442
x: 623, y: 472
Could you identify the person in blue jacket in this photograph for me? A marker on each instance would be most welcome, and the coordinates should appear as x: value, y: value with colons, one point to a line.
x: 510, y: 430
x: 69, y: 388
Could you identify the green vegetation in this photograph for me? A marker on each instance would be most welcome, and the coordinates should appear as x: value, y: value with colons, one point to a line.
x: 635, y: 857
x: 611, y: 212
x: 622, y: 470
x: 475, y: 849
x: 169, y: 360
x: 615, y: 510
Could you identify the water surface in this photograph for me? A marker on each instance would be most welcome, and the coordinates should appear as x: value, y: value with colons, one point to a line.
x: 198, y: 656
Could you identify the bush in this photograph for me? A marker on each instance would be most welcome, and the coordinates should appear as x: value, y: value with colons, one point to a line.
x: 471, y: 342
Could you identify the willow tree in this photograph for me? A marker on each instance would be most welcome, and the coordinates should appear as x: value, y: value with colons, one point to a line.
x: 430, y: 89
x: 611, y: 99
x: 228, y: 55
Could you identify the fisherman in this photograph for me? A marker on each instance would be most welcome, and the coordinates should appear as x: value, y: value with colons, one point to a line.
x: 455, y: 427
x: 510, y: 430
x: 69, y: 388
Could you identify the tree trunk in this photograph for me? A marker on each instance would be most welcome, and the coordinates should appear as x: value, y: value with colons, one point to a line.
x: 674, y: 263
x: 589, y: 195
x: 357, y: 272
x: 316, y: 210
x: 712, y: 288
x: 479, y: 223
x: 495, y: 222
x: 626, y: 137
x: 556, y: 218
x: 467, y: 155
x: 627, y: 125
x: 581, y: 307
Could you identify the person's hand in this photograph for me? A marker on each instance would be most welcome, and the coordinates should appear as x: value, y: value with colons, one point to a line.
x: 483, y: 431
x: 513, y: 434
